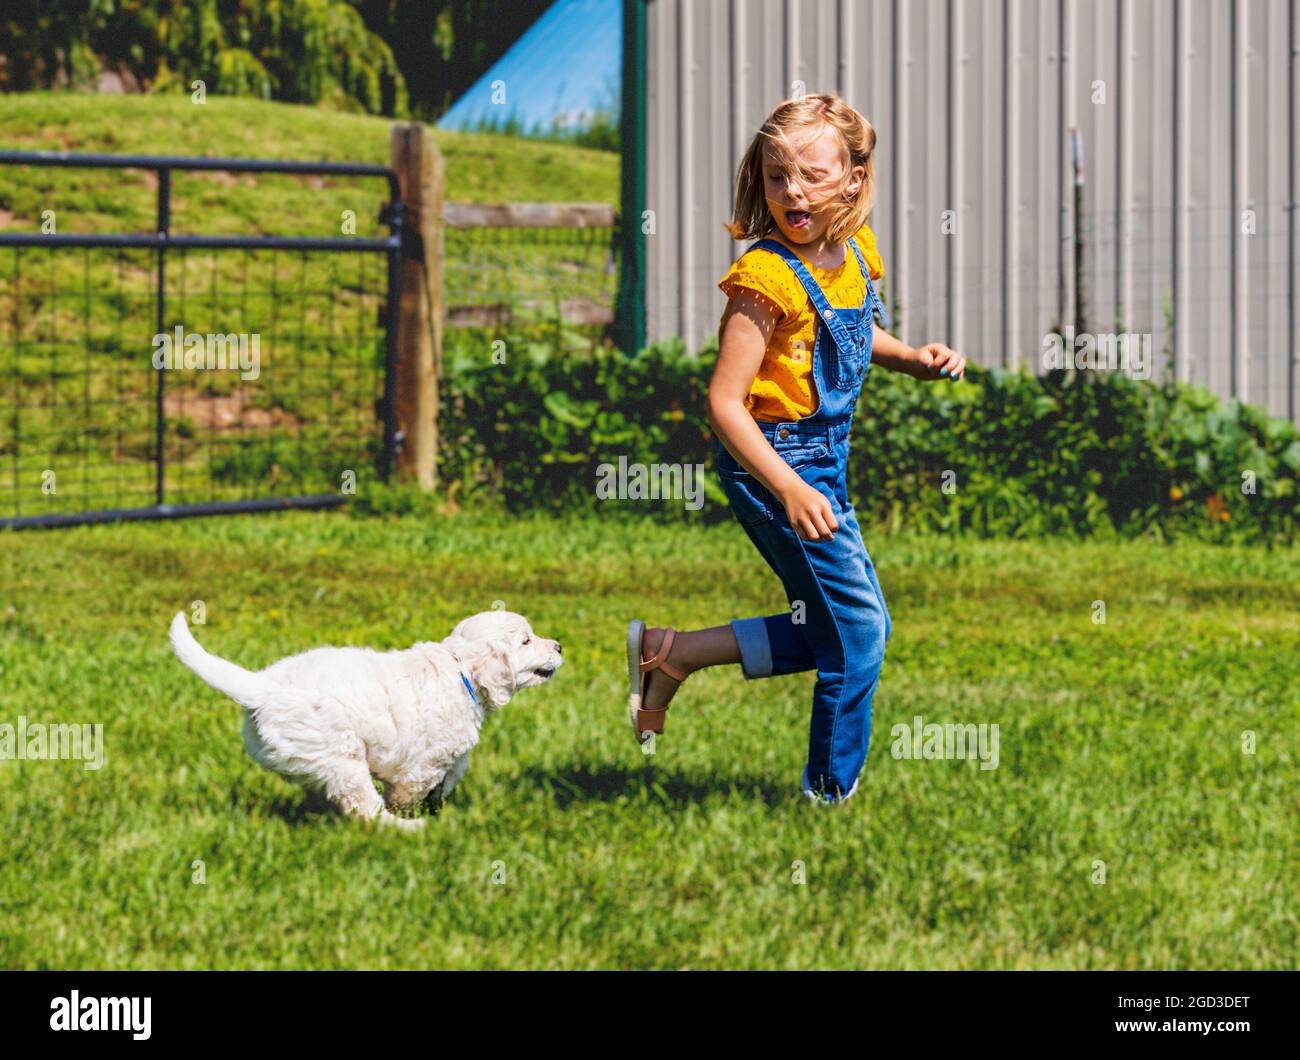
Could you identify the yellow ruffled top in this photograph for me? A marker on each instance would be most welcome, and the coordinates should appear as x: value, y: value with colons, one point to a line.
x: 783, y: 387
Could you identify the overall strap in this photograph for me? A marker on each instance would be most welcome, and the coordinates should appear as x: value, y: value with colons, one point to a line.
x: 880, y: 306
x: 811, y: 285
x: 871, y: 290
x: 866, y: 275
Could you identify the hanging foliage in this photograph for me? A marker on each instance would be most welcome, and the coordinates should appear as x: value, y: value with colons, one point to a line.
x: 295, y: 51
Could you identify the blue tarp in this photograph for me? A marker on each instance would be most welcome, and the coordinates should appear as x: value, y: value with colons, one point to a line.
x: 564, y: 68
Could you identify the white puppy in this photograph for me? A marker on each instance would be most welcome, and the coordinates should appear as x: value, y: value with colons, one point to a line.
x: 333, y: 717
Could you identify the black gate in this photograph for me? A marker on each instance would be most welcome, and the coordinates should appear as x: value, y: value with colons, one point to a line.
x: 137, y: 384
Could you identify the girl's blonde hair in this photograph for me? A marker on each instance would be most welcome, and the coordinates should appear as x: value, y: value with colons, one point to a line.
x: 800, y: 119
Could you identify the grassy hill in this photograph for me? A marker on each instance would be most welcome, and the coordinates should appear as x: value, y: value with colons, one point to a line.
x: 478, y: 167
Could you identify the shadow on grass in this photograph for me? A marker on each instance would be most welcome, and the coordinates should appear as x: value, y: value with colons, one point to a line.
x: 569, y: 784
x: 297, y: 807
x: 565, y: 786
x: 307, y: 806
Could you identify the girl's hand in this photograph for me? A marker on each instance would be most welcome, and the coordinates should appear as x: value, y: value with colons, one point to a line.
x: 934, y: 360
x: 809, y: 512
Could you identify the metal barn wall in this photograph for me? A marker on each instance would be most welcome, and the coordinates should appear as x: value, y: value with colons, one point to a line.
x: 1186, y: 109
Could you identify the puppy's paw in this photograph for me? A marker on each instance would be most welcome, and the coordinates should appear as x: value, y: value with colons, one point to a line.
x: 406, y: 824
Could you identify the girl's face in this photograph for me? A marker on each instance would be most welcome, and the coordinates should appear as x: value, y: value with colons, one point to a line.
x: 801, y: 211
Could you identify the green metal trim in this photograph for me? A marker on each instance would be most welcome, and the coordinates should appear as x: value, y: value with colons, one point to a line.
x: 630, y: 312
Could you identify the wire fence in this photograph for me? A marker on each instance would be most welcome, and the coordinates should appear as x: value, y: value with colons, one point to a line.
x: 514, y: 267
x: 159, y: 374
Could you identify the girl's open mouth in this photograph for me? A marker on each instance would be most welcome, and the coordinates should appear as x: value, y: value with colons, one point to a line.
x: 798, y: 218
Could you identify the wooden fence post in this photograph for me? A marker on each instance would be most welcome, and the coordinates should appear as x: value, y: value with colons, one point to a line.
x: 418, y: 165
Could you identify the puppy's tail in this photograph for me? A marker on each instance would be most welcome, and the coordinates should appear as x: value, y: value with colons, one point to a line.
x: 243, y: 686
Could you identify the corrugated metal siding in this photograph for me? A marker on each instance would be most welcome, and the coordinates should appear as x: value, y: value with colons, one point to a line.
x: 973, y: 101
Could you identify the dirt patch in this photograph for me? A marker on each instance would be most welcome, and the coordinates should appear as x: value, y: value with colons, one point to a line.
x: 224, y: 178
x: 42, y: 142
x: 53, y: 134
x: 148, y: 177
x: 224, y: 412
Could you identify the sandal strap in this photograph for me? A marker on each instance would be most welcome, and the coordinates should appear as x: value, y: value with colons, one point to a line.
x: 665, y: 646
x: 655, y: 662
x: 650, y: 720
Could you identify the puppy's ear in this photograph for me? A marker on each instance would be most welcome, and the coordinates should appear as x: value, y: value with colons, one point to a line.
x: 488, y: 663
x: 497, y: 676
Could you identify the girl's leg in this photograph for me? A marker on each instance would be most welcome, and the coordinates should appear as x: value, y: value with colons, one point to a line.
x: 775, y: 644
x: 842, y: 629
x: 848, y: 628
x: 851, y: 519
x: 764, y: 647
x: 691, y: 650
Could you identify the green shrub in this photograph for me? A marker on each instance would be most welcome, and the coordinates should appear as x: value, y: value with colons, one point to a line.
x: 1082, y: 453
x: 534, y: 428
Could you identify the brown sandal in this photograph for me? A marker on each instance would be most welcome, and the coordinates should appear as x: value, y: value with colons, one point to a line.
x: 647, y: 721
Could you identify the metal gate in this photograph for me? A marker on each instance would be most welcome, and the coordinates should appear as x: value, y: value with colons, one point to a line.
x: 135, y: 385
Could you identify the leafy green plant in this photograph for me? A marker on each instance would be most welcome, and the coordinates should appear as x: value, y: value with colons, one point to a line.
x: 1001, y: 453
x: 535, y: 428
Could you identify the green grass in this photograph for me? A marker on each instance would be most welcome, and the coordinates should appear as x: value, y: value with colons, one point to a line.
x: 1120, y: 743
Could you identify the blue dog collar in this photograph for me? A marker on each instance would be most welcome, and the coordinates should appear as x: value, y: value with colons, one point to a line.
x: 469, y: 688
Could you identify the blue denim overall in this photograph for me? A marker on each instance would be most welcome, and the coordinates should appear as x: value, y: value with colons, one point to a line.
x: 838, y: 623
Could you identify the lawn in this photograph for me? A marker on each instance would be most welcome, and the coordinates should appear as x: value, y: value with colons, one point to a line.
x: 1121, y: 750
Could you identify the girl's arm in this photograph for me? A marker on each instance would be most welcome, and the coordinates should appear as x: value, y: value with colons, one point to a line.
x: 934, y: 360
x: 740, y: 354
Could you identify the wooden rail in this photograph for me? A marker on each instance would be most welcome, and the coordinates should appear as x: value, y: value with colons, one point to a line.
x: 423, y: 311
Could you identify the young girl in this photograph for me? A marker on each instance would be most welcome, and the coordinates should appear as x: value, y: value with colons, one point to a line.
x: 795, y: 344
